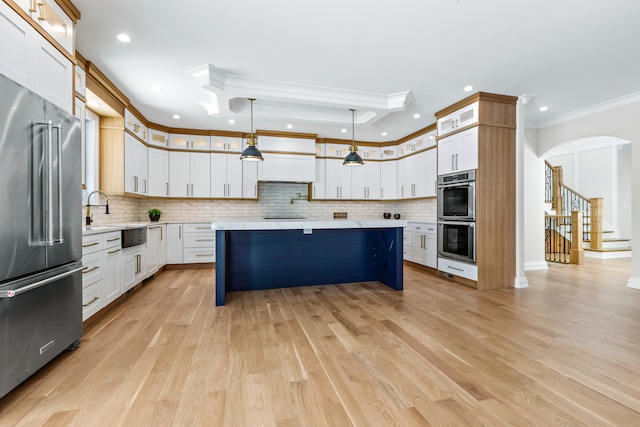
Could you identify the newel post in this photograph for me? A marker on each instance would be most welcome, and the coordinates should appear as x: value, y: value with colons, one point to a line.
x: 557, y: 190
x: 596, y: 223
x: 577, y: 252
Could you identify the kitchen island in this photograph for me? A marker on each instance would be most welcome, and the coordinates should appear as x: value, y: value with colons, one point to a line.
x: 281, y: 254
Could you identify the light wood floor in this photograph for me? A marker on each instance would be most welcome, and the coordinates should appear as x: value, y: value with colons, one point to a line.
x: 566, y: 351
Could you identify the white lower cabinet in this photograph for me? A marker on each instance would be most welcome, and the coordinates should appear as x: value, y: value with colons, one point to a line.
x: 191, y: 243
x: 112, y: 262
x: 101, y: 273
x: 199, y: 243
x: 457, y: 268
x: 174, y: 243
x: 421, y: 244
x: 134, y: 268
x: 156, y: 248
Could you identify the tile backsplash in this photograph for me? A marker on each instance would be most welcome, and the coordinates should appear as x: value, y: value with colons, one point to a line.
x: 275, y: 199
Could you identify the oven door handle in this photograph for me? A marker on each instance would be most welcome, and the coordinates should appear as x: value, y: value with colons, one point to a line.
x: 464, y: 223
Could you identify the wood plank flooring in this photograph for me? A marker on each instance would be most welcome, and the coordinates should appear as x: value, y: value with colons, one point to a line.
x: 566, y: 351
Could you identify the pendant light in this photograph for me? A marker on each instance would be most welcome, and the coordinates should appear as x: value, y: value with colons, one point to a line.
x: 251, y: 153
x: 353, y: 158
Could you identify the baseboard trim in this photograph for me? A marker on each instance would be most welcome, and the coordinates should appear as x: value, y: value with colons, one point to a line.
x: 536, y: 265
x: 521, y: 282
x: 633, y: 283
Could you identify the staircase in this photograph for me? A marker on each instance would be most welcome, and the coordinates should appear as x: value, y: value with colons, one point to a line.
x: 597, y: 242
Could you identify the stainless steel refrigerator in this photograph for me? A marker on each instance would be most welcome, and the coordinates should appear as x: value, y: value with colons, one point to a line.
x: 40, y: 233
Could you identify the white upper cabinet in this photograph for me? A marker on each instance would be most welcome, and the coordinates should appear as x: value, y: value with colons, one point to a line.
x: 337, y: 179
x: 365, y: 181
x: 287, y: 168
x: 249, y: 180
x: 159, y: 138
x: 190, y: 142
x: 30, y: 60
x: 226, y: 176
x: 389, y: 180
x: 389, y: 152
x: 80, y: 81
x: 226, y: 144
x: 336, y: 150
x: 135, y: 166
x: 48, y: 15
x: 458, y: 152
x: 287, y: 159
x: 459, y: 119
x: 318, y: 191
x: 368, y: 152
x: 158, y: 172
x: 135, y: 125
x: 189, y: 174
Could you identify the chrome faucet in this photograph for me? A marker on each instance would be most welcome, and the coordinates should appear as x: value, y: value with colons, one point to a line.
x: 87, y: 219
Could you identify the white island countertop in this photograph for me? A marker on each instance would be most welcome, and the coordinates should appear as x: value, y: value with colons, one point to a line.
x: 306, y: 224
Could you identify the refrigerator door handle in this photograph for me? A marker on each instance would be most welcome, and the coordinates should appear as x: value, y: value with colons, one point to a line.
x: 10, y: 293
x: 58, y: 129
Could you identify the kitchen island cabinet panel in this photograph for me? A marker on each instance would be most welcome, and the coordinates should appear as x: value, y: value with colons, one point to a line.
x: 255, y: 259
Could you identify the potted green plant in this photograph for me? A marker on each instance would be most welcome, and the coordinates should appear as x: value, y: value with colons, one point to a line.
x: 154, y: 214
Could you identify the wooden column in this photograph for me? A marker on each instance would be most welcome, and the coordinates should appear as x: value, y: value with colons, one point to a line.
x: 577, y: 252
x: 596, y: 223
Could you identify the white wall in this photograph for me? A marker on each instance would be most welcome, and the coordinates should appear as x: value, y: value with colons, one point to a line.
x: 534, y: 168
x: 619, y: 119
x: 597, y: 167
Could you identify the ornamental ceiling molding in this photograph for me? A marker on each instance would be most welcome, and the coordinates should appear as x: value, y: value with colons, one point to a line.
x: 293, y: 101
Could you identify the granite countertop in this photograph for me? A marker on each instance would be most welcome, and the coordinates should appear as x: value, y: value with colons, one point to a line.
x: 306, y: 225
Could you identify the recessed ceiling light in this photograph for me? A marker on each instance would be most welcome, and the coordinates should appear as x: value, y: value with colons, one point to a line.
x: 176, y: 116
x: 157, y: 88
x: 343, y: 130
x: 416, y: 116
x: 431, y: 137
x: 123, y: 38
x: 289, y: 126
x: 232, y: 122
x: 468, y: 88
x: 544, y: 108
x: 383, y: 134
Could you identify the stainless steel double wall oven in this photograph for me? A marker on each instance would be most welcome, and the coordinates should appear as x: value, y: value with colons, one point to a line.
x: 457, y: 216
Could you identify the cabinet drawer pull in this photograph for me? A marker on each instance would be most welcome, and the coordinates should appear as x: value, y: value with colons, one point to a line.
x: 91, y: 302
x: 204, y: 240
x: 89, y: 270
x: 114, y: 252
x: 203, y: 228
x: 91, y: 244
x: 115, y: 239
x: 32, y: 6
x: 455, y: 268
x: 204, y: 254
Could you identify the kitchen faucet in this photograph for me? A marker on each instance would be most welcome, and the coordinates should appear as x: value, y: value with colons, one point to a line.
x: 87, y: 219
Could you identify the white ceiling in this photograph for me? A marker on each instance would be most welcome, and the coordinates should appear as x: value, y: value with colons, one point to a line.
x: 324, y: 56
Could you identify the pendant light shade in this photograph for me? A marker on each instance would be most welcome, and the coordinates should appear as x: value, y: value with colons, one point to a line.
x: 353, y: 158
x: 251, y: 153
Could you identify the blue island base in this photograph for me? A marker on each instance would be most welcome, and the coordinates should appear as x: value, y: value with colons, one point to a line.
x: 268, y: 259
